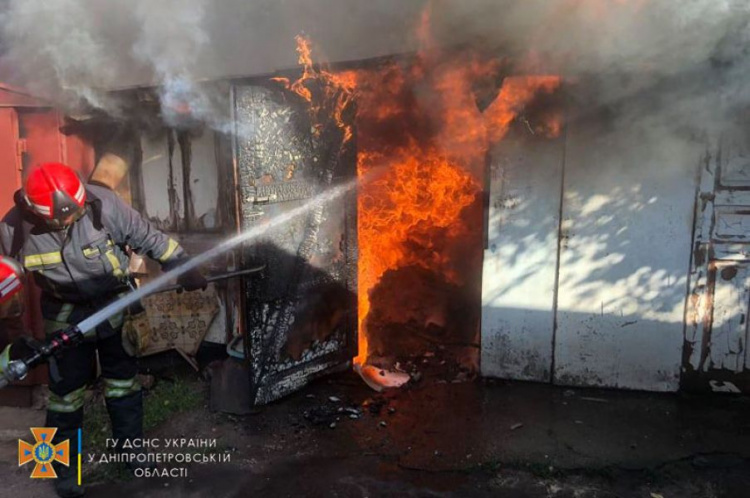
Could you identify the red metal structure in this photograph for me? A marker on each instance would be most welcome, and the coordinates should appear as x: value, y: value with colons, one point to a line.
x: 30, y: 134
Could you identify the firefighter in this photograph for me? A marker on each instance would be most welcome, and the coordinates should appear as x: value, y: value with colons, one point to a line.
x: 11, y: 309
x: 72, y: 238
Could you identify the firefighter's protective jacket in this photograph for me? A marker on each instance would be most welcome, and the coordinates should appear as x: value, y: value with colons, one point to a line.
x: 86, y: 264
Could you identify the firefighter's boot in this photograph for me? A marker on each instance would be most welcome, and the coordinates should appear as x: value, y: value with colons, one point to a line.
x: 125, y: 407
x: 67, y: 424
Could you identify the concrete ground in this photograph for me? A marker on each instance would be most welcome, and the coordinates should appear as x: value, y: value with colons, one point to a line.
x: 339, y: 439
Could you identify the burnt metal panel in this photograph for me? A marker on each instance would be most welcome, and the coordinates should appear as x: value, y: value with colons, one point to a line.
x: 729, y: 323
x: 162, y: 174
x: 716, y: 353
x: 301, y: 316
x: 182, y: 180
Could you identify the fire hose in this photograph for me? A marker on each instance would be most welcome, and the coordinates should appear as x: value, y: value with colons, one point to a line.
x: 73, y: 335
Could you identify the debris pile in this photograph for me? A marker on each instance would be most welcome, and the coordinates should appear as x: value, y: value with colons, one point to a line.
x: 440, y: 366
x: 334, y: 411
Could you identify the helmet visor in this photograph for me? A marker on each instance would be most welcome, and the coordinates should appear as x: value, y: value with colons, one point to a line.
x: 64, y: 220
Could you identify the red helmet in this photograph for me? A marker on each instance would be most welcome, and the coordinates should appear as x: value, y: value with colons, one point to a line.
x: 55, y: 193
x: 11, y: 279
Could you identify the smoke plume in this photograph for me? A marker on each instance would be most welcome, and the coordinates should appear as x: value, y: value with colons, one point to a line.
x: 686, y: 58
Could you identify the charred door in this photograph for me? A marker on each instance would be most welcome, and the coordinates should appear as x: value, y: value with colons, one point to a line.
x: 301, y: 315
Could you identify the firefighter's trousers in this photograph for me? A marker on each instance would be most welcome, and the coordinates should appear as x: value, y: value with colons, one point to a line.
x: 122, y: 392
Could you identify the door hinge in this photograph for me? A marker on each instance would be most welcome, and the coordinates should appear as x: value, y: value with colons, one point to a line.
x: 21, y: 146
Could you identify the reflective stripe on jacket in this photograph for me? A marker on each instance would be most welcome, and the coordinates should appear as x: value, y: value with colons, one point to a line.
x: 87, y: 264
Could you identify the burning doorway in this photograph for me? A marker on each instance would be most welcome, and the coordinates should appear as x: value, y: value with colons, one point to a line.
x: 425, y: 126
x: 422, y: 132
x: 420, y: 140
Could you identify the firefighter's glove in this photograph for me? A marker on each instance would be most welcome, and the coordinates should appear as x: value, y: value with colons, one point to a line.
x: 4, y: 360
x: 192, y: 280
x: 17, y: 350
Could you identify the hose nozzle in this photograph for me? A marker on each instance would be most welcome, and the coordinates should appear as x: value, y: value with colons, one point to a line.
x: 17, y: 370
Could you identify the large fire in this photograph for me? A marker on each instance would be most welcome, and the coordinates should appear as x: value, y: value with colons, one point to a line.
x: 424, y: 128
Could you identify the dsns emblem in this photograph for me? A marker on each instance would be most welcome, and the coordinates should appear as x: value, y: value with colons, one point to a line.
x: 43, y: 453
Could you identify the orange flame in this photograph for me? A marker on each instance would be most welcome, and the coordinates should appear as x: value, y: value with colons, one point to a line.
x: 421, y: 125
x: 335, y: 93
x: 514, y: 95
x: 423, y: 138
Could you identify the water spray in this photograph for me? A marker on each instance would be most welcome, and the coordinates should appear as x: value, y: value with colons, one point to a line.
x: 75, y: 334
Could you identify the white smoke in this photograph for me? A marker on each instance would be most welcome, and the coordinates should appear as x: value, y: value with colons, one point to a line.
x: 678, y: 62
x: 55, y: 49
x: 73, y: 51
x: 171, y: 38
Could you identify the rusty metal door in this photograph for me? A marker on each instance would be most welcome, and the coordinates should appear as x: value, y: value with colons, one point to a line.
x: 717, y: 336
x: 11, y: 148
x: 301, y: 315
x: 11, y: 151
x: 29, y: 136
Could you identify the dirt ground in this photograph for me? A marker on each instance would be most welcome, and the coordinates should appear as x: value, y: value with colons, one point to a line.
x: 337, y: 438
